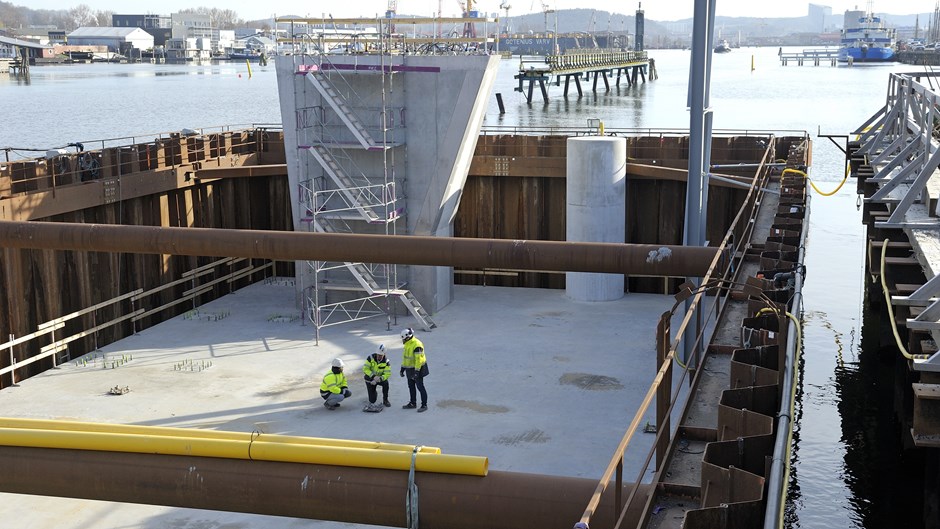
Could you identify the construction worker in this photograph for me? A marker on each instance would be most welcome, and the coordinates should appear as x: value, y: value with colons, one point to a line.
x: 334, y: 388
x: 376, y: 371
x: 414, y: 364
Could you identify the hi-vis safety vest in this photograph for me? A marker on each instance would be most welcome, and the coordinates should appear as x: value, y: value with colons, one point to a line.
x: 411, y: 358
x: 374, y: 367
x: 333, y: 383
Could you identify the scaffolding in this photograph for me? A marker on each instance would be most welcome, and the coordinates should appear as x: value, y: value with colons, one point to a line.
x: 349, y: 140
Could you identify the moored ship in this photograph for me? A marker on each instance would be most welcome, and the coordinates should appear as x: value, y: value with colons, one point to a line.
x: 866, y: 39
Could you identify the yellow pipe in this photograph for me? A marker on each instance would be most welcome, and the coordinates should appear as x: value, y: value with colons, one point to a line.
x: 255, y: 450
x: 248, y: 64
x: 77, y: 426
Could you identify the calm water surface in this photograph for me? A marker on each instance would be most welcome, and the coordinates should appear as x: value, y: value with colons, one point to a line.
x: 846, y: 469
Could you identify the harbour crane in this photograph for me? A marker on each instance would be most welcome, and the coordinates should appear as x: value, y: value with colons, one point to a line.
x: 505, y: 7
x: 469, y: 28
x: 390, y: 13
x: 546, y: 9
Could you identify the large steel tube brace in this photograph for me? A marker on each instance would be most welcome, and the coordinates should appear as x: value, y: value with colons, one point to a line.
x: 502, y: 500
x: 612, y: 258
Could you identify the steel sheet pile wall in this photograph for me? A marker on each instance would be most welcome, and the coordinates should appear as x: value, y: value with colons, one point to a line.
x: 516, y: 190
x: 737, y: 467
x: 146, y: 184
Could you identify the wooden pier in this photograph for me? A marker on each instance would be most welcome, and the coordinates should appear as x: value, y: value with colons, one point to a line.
x: 590, y: 64
x: 815, y: 57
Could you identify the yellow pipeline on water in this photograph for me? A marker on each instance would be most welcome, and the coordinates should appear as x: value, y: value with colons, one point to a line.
x: 232, y: 449
x: 76, y: 426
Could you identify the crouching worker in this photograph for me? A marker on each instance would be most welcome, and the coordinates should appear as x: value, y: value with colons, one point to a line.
x: 376, y: 371
x: 334, y: 388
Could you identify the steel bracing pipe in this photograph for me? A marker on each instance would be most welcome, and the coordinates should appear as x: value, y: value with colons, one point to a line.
x: 354, y: 495
x: 80, y: 426
x: 254, y: 449
x: 637, y: 259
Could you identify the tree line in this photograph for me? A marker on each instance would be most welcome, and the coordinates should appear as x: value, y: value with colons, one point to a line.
x: 82, y: 15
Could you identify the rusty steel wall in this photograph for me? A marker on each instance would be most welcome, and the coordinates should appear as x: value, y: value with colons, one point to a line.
x: 39, y: 285
x: 516, y: 189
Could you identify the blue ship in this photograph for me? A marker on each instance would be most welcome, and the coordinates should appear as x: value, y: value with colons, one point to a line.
x: 866, y: 39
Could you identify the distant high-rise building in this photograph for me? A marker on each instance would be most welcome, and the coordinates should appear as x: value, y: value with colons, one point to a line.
x: 818, y: 15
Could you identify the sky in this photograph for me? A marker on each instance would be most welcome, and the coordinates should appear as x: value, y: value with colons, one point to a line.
x: 661, y: 10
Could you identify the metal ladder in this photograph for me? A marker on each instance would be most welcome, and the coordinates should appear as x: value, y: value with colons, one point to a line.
x: 367, y: 281
x: 344, y: 183
x: 337, y: 103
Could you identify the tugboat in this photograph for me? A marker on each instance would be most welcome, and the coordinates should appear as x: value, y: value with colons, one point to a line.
x: 866, y: 39
x: 722, y: 46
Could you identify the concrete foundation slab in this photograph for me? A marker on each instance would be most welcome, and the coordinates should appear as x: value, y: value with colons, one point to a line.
x: 529, y: 378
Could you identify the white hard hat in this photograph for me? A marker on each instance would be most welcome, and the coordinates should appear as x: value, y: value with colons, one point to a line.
x: 407, y: 333
x: 338, y: 362
x: 381, y: 349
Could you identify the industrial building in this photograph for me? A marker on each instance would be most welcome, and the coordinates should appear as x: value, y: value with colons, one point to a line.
x: 118, y: 40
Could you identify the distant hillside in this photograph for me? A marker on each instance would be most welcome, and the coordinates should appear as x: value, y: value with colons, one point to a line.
x: 907, y: 20
x: 568, y: 20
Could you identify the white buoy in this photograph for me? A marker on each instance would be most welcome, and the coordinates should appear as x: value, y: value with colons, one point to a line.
x: 596, y: 206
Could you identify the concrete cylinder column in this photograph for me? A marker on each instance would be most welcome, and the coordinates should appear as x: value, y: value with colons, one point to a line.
x: 596, y: 204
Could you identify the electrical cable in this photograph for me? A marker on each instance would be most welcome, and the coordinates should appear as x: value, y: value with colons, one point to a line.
x: 820, y: 191
x: 894, y: 324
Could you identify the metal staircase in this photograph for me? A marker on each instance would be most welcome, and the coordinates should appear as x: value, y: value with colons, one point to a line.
x: 356, y: 196
x: 343, y: 198
x: 338, y: 104
x: 364, y: 276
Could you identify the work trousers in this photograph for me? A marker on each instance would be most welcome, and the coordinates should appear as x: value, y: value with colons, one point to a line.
x: 374, y: 391
x: 416, y: 383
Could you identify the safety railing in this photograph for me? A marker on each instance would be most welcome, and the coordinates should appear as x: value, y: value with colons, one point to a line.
x: 75, y: 163
x: 720, y: 280
x: 134, y: 306
x: 901, y: 144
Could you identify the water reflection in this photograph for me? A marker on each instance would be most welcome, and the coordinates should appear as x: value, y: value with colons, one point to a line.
x: 886, y: 481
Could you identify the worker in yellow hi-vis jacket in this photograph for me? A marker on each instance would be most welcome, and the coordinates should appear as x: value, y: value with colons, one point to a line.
x: 414, y: 365
x: 334, y: 388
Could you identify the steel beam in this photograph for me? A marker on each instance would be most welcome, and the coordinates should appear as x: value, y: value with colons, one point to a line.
x: 611, y: 258
x: 507, y: 500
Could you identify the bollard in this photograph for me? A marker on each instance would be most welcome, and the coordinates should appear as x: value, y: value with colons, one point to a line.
x: 499, y: 101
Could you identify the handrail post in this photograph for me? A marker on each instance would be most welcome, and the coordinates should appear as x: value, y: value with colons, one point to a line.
x: 618, y: 492
x: 12, y: 362
x: 664, y: 391
x: 55, y: 352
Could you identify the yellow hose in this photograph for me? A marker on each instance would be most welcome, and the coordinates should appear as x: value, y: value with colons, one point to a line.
x: 76, y: 426
x: 894, y: 325
x: 820, y: 191
x: 253, y: 450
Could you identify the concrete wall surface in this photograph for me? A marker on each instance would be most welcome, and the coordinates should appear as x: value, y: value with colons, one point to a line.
x: 434, y: 108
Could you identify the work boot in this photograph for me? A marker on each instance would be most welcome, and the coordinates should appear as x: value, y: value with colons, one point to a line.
x: 409, y: 406
x: 424, y: 407
x: 387, y: 403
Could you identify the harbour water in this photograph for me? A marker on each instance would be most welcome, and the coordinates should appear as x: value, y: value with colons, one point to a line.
x: 847, y: 472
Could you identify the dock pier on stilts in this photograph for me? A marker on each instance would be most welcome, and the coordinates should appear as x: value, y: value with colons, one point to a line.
x: 594, y: 64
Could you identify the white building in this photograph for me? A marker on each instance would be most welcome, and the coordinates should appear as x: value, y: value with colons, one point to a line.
x: 189, y: 49
x: 118, y: 40
x: 226, y: 40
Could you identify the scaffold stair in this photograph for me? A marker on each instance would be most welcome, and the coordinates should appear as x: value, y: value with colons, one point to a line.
x: 343, y: 182
x: 337, y: 103
x: 367, y: 281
